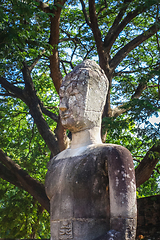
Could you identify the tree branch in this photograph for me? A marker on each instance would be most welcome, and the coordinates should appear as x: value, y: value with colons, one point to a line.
x: 141, y: 87
x: 117, y: 27
x: 54, y: 40
x: 117, y: 111
x: 85, y: 13
x: 11, y: 88
x: 122, y: 109
x: 146, y: 166
x: 97, y: 36
x: 31, y: 185
x: 131, y: 45
x: 69, y: 62
x: 5, y: 174
x: 43, y: 6
x: 55, y: 69
x: 28, y: 95
x: 36, y: 61
x: 36, y: 108
x: 48, y: 113
x: 63, y: 140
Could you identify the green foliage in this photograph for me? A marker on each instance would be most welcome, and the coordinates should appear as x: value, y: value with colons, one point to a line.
x: 21, y: 215
x: 19, y: 212
x: 150, y: 187
x: 24, y: 35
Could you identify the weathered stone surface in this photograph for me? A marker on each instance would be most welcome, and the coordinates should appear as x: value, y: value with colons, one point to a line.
x: 82, y: 96
x: 78, y: 188
x: 91, y: 186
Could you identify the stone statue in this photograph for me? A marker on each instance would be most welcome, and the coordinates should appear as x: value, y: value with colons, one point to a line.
x: 91, y: 185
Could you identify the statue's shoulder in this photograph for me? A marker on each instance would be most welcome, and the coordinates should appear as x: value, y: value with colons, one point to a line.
x: 113, y: 154
x: 51, y: 161
x: 118, y: 158
x: 114, y: 147
x: 102, y: 151
x: 109, y: 148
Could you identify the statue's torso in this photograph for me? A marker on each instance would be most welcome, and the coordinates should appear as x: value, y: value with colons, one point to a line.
x: 79, y: 199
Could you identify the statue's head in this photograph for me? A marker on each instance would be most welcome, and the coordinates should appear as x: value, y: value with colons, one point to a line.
x: 82, y: 97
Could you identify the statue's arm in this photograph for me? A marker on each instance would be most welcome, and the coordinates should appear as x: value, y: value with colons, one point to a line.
x: 122, y: 192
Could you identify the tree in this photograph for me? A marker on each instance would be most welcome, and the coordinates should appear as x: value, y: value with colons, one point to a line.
x: 40, y: 43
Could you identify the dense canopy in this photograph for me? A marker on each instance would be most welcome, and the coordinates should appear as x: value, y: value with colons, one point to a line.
x: 40, y: 42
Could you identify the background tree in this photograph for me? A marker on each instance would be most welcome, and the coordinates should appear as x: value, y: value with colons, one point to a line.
x: 40, y: 42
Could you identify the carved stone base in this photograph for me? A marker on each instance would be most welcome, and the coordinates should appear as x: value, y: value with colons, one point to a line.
x: 77, y: 229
